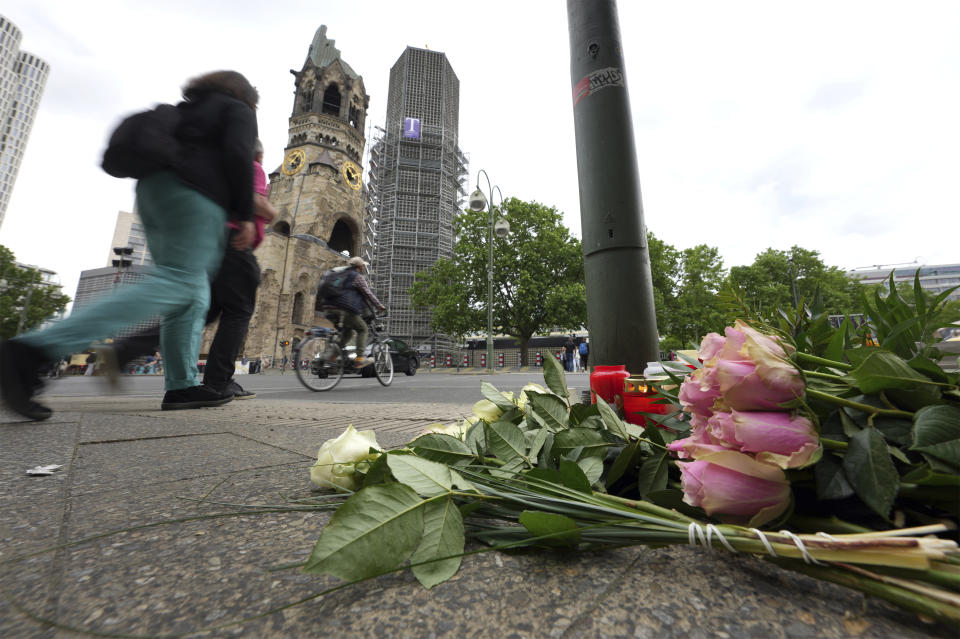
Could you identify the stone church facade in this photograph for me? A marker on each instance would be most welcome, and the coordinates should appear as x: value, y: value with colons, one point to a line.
x: 323, y: 203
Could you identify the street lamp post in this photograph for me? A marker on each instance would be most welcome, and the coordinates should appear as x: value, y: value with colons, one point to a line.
x: 793, y: 283
x: 502, y: 228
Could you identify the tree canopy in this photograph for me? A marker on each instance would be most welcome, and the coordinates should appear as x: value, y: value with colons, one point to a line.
x: 538, y: 282
x: 25, y: 300
x: 767, y: 282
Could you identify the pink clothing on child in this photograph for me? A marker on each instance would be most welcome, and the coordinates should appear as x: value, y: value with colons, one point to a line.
x: 259, y: 186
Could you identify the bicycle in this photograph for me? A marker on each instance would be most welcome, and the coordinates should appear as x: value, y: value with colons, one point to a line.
x: 320, y: 359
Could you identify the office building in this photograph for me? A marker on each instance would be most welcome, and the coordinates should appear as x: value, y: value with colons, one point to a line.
x: 129, y: 233
x: 417, y: 174
x: 22, y: 79
x: 934, y: 278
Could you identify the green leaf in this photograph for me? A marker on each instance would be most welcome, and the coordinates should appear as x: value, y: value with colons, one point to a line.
x: 476, y: 438
x: 625, y: 460
x: 611, y: 420
x: 426, y: 477
x: 580, y: 412
x: 936, y: 432
x: 882, y: 370
x: 373, y: 532
x: 490, y: 391
x: 653, y: 474
x: 378, y: 473
x: 442, y: 537
x: 445, y: 449
x: 563, y: 530
x: 510, y: 469
x: 830, y: 480
x: 898, y: 431
x: 869, y: 469
x: 572, y: 476
x: 545, y: 458
x: 554, y: 377
x: 537, y: 441
x: 838, y: 342
x: 548, y: 410
x: 506, y: 441
x: 591, y: 441
x: 592, y: 467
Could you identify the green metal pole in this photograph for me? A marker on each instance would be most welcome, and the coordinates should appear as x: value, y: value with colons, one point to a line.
x: 620, y: 314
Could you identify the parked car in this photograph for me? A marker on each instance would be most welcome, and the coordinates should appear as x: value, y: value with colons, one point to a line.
x: 405, y: 359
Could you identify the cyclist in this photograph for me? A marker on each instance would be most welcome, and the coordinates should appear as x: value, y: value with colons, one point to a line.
x: 355, y: 295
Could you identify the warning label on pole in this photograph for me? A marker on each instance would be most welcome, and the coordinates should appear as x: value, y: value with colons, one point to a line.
x: 597, y: 81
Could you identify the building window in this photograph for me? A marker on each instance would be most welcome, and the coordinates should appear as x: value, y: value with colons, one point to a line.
x: 331, y: 100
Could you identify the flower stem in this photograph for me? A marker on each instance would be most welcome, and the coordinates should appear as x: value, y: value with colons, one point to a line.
x: 819, y: 375
x: 813, y: 359
x: 833, y: 444
x: 866, y: 408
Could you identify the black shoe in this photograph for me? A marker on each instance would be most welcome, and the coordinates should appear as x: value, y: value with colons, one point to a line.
x: 194, y: 397
x: 20, y: 380
x: 238, y: 391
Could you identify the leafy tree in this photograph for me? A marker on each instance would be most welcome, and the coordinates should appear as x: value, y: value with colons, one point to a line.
x: 698, y: 310
x: 538, y: 279
x: 25, y: 301
x: 665, y: 272
x: 766, y: 284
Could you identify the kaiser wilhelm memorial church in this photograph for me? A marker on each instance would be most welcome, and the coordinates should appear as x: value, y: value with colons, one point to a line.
x: 327, y: 213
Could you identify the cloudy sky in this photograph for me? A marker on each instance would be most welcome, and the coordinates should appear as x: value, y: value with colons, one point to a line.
x: 830, y: 125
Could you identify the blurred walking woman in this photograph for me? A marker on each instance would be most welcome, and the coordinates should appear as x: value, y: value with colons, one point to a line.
x: 184, y: 211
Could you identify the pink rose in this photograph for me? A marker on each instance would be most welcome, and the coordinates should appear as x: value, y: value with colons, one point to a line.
x: 752, y: 386
x: 711, y: 346
x: 778, y: 438
x: 696, y: 396
x: 735, y: 488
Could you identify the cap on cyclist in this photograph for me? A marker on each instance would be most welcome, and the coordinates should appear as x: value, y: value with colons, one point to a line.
x: 355, y: 295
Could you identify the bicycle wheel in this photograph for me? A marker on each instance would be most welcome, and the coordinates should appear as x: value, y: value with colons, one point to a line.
x: 318, y: 363
x: 382, y: 363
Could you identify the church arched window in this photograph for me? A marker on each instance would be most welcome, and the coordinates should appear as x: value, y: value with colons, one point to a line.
x: 355, y: 117
x: 331, y: 100
x: 341, y: 238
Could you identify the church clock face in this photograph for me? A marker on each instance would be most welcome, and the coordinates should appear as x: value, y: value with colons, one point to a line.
x: 294, y: 162
x: 351, y: 175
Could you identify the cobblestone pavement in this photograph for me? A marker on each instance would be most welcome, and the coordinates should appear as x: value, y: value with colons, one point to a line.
x: 163, y: 523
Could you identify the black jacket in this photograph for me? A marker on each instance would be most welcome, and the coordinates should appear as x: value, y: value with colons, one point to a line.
x: 218, y: 133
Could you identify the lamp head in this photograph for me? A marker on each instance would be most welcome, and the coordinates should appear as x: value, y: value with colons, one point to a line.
x: 502, y: 228
x: 477, y: 201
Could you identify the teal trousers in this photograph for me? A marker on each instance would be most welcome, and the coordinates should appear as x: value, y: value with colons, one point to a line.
x: 186, y: 236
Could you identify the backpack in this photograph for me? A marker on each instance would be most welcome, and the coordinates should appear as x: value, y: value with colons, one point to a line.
x: 143, y: 143
x: 583, y: 348
x: 334, y: 283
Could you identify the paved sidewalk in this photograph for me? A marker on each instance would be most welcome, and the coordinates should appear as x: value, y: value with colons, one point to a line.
x: 129, y: 465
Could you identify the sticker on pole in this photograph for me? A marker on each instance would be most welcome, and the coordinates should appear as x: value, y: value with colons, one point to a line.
x: 597, y: 81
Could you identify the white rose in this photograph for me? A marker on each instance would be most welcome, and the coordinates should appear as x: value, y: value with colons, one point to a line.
x: 485, y: 409
x: 537, y: 388
x: 339, y: 459
x: 456, y: 430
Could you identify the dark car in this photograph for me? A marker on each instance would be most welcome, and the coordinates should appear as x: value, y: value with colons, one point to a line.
x: 405, y: 359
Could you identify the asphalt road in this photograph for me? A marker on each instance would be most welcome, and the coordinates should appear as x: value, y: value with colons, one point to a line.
x: 439, y: 388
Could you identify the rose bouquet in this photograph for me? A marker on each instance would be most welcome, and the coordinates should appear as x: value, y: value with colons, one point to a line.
x: 828, y: 451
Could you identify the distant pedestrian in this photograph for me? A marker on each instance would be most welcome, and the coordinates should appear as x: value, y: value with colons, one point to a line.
x: 584, y: 354
x: 576, y: 360
x: 569, y: 347
x: 183, y: 209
